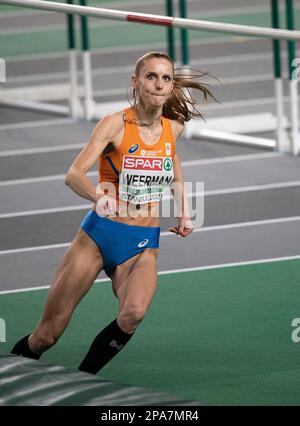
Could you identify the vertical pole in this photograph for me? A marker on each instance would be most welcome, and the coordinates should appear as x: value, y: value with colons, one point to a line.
x: 71, y: 29
x: 184, y: 34
x: 292, y: 80
x: 170, y: 31
x: 75, y: 106
x: 185, y: 57
x: 87, y: 68
x: 283, y: 144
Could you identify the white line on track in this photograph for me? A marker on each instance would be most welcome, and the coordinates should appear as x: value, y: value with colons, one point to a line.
x: 244, y: 103
x: 40, y: 123
x: 204, y: 62
x: 250, y: 188
x: 227, y: 191
x: 189, y: 163
x: 41, y: 150
x: 39, y: 179
x: 231, y: 159
x: 128, y: 68
x: 121, y: 91
x: 45, y: 211
x: 34, y: 248
x: 177, y: 271
x: 225, y: 81
x: 168, y: 234
x: 227, y: 59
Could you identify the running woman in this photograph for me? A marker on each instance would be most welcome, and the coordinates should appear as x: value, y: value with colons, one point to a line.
x: 136, y: 150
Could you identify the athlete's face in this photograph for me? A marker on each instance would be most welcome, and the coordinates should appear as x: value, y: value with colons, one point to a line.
x: 154, y: 82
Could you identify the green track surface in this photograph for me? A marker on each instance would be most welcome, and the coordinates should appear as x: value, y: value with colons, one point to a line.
x: 220, y: 336
x: 117, y: 34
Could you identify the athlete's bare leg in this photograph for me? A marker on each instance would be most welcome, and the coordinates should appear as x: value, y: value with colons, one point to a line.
x: 134, y: 284
x: 75, y: 275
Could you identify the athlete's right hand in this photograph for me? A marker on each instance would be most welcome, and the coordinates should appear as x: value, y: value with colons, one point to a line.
x: 106, y: 206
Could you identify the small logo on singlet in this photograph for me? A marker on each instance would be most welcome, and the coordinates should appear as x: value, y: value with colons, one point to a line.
x: 133, y: 148
x: 151, y: 152
x: 168, y: 148
x: 143, y: 243
x: 168, y: 164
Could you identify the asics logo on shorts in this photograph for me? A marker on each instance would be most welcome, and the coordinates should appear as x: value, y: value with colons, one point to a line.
x: 143, y: 243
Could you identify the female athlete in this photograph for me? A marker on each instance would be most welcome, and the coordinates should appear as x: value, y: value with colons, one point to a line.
x: 136, y: 150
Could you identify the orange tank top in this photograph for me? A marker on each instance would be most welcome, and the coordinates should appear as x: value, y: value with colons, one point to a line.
x: 137, y: 172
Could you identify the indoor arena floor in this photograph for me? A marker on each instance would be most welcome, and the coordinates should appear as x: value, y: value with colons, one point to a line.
x: 219, y: 330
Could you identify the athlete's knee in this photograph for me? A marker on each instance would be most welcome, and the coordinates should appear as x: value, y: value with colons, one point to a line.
x: 130, y: 317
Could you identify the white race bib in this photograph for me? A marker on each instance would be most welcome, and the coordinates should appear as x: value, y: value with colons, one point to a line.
x: 145, y: 179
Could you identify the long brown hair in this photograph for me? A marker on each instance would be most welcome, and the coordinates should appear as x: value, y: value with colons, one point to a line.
x: 180, y: 105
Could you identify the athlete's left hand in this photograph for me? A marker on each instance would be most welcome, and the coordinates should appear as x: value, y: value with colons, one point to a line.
x: 184, y: 227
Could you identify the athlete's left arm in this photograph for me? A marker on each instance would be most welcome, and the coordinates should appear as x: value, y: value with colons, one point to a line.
x: 184, y: 227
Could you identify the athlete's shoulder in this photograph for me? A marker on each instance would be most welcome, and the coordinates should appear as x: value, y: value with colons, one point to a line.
x: 177, y: 128
x: 111, y: 124
x: 115, y: 119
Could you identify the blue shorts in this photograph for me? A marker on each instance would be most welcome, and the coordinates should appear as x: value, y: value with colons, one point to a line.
x: 117, y: 241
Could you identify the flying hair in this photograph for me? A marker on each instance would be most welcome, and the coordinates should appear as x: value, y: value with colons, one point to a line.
x: 181, y: 104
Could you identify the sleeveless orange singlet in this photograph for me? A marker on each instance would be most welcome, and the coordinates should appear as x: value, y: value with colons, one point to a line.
x: 137, y: 172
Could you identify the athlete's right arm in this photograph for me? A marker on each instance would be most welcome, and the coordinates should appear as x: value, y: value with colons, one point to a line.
x: 104, y: 133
